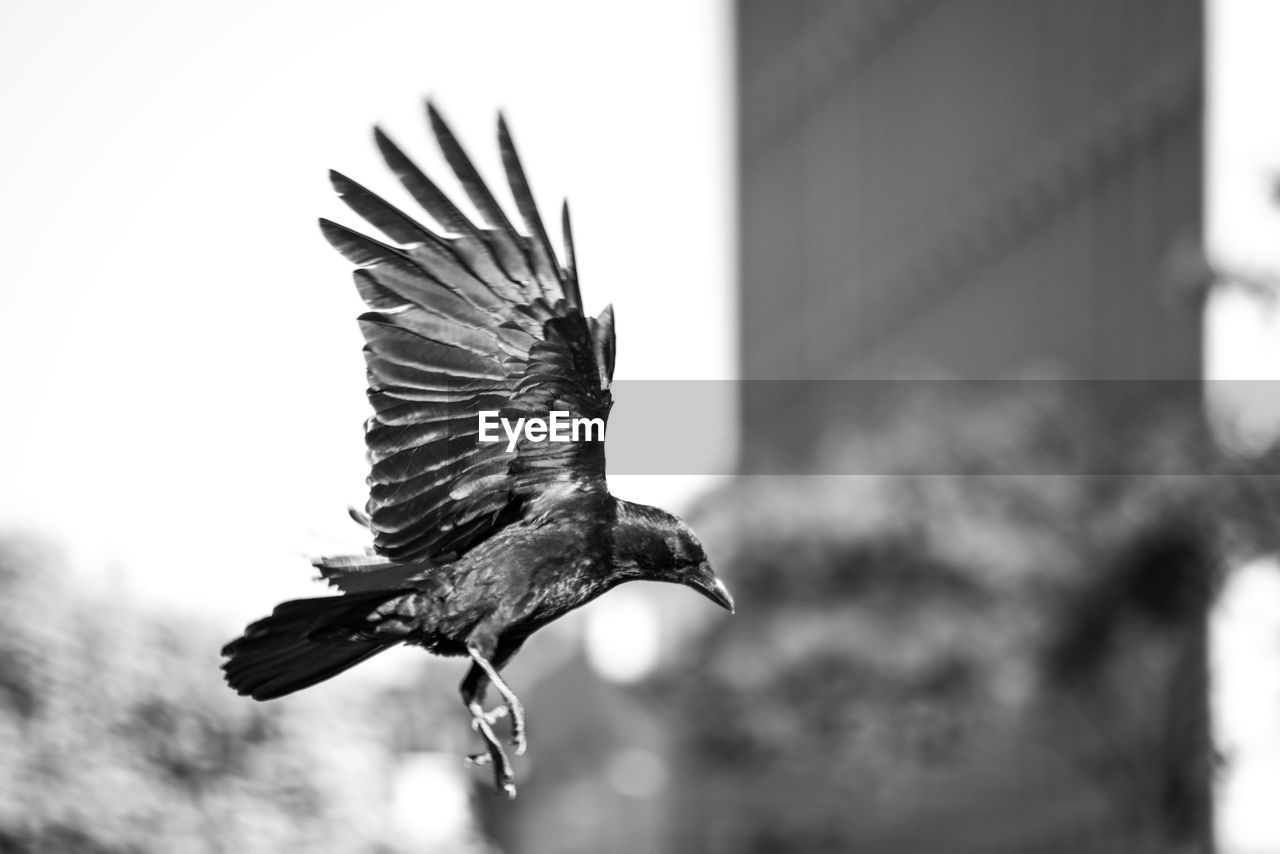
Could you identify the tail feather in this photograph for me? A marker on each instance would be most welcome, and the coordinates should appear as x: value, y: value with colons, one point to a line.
x: 364, y: 573
x: 299, y: 646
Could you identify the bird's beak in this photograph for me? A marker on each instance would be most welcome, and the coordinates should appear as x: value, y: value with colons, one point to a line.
x: 706, y: 583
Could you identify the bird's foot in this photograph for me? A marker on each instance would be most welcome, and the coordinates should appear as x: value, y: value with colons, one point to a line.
x: 503, y: 778
x: 480, y: 719
x: 512, y: 702
x: 496, y: 715
x: 518, y: 738
x: 479, y: 760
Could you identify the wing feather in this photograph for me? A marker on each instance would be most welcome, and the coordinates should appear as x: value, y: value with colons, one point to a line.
x: 423, y: 189
x: 570, y: 258
x: 380, y: 213
x: 602, y: 343
x: 365, y: 251
x: 392, y: 341
x: 479, y: 318
x: 544, y: 257
x: 502, y: 238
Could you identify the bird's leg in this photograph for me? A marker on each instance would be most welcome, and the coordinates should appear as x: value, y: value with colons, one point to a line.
x: 495, y: 714
x: 473, y: 691
x: 477, y: 680
x: 473, y: 686
x: 512, y: 701
x: 503, y: 777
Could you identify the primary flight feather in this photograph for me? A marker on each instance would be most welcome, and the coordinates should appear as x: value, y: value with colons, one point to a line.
x: 476, y: 544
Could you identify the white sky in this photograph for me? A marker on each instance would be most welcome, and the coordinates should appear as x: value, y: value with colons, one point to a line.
x: 180, y: 375
x: 1242, y: 342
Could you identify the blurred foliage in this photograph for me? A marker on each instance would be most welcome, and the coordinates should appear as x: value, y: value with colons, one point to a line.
x: 1027, y: 578
x: 118, y: 735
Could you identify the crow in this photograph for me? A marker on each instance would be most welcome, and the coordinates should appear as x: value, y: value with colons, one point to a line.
x: 476, y: 544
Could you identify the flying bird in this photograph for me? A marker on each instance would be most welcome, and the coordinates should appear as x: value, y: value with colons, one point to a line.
x: 476, y: 544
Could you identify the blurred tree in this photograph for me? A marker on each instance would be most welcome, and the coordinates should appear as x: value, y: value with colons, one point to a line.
x: 1000, y: 648
x: 117, y: 735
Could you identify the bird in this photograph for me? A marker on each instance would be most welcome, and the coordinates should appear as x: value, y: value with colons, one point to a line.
x: 475, y: 544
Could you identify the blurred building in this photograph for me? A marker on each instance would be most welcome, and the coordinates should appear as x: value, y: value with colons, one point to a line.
x: 976, y: 190
x: 981, y: 190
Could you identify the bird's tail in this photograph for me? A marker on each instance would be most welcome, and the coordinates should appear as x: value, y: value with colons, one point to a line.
x: 303, y: 642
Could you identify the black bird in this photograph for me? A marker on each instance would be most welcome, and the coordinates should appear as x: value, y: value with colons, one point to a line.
x: 475, y: 545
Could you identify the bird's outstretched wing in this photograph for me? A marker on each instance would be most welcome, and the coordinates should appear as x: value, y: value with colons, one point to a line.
x: 478, y: 318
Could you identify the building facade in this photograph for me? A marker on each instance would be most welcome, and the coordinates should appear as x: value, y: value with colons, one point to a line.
x: 978, y: 190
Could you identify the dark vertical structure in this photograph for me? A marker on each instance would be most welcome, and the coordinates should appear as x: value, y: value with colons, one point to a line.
x: 977, y: 189
x: 964, y: 189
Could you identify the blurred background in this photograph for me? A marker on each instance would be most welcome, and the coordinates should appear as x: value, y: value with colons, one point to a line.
x: 976, y: 301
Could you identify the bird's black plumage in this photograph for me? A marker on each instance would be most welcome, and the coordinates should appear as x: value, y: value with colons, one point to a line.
x: 475, y: 546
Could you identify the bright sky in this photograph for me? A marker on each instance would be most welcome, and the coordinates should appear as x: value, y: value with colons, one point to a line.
x: 1242, y: 342
x: 1242, y: 189
x: 180, y: 371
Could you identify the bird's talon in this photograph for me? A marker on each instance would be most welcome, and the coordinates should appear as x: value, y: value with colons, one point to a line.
x: 479, y: 715
x: 509, y: 790
x: 477, y: 760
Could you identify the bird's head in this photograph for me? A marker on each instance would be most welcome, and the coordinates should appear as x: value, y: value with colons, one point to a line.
x: 652, y: 545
